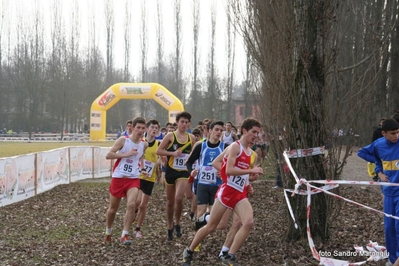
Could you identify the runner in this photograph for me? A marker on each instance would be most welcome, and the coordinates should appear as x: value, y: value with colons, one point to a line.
x: 237, y: 166
x: 208, y: 181
x: 229, y: 136
x: 151, y: 168
x: 125, y: 181
x: 176, y: 146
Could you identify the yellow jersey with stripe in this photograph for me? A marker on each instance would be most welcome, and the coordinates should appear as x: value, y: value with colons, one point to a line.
x: 178, y: 164
x: 150, y: 161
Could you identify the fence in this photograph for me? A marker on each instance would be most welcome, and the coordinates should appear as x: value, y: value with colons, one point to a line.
x: 25, y: 176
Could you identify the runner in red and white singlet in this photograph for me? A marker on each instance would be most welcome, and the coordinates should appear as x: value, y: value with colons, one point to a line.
x: 125, y: 183
x: 237, y: 167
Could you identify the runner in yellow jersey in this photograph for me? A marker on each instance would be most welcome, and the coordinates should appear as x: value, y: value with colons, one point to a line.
x: 150, y: 166
x: 176, y: 146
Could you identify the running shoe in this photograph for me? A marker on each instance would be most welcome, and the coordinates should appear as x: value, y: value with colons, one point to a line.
x: 125, y: 239
x: 178, y: 230
x: 138, y: 234
x: 108, y: 240
x: 187, y: 257
x: 170, y: 234
x: 223, y: 254
x: 201, y: 221
x: 229, y: 260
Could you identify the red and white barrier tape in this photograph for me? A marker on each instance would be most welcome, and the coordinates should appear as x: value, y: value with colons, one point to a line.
x: 374, y: 251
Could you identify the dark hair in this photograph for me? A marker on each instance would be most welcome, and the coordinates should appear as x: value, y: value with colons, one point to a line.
x: 196, y: 131
x: 206, y: 120
x: 138, y: 120
x: 389, y: 124
x: 214, y: 123
x: 199, y: 123
x: 168, y: 124
x: 228, y: 122
x: 152, y: 122
x: 129, y: 122
x: 183, y: 114
x: 249, y: 123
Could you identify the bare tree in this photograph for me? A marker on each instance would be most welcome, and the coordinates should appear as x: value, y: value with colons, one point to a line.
x: 177, y: 56
x: 160, y: 68
x: 193, y: 103
x: 126, y: 39
x: 29, y: 80
x: 110, y: 28
x: 295, y: 46
x: 212, y: 84
x: 230, y: 63
x: 144, y: 49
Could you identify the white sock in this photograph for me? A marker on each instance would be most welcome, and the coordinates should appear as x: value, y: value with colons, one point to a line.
x: 224, y: 249
x: 108, y: 231
x: 207, y: 217
x: 125, y: 232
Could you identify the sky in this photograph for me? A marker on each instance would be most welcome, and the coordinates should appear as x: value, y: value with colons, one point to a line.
x: 17, y: 13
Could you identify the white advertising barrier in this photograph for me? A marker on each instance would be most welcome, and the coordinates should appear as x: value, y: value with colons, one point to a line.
x: 81, y: 163
x: 17, y: 179
x: 22, y: 177
x: 52, y: 169
x: 102, y: 166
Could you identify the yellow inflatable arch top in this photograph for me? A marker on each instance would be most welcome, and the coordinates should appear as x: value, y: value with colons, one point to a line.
x: 137, y: 91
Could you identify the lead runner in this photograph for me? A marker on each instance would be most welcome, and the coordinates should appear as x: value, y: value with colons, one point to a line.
x: 238, y: 165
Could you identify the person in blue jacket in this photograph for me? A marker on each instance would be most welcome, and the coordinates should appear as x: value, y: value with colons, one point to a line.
x: 384, y: 152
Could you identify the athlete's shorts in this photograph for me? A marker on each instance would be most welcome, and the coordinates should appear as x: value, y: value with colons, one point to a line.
x: 171, y: 176
x: 120, y: 186
x: 146, y: 186
x: 206, y: 194
x: 229, y: 196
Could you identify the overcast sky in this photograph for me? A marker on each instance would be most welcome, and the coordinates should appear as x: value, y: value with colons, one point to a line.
x: 20, y: 12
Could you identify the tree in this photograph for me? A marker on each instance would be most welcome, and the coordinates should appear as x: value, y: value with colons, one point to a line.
x: 230, y: 63
x: 144, y: 49
x: 212, y: 83
x: 296, y: 47
x: 28, y: 68
x: 178, y: 90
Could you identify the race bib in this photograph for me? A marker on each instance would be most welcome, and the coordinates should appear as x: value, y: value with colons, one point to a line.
x: 207, y: 175
x: 179, y: 163
x: 238, y: 182
x: 149, y: 167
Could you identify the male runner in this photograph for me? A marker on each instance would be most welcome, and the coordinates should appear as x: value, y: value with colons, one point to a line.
x: 125, y: 181
x: 176, y: 146
x: 147, y: 181
x: 238, y: 165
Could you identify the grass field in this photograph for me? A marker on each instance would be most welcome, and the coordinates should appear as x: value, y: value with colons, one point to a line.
x: 9, y: 149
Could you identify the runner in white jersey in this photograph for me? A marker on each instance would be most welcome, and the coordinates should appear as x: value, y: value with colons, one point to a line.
x: 125, y: 182
x: 129, y: 167
x: 229, y: 136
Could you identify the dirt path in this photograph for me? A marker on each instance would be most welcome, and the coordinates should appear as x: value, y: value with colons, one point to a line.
x: 355, y: 168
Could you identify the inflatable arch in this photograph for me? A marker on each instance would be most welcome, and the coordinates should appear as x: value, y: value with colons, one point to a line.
x: 138, y: 91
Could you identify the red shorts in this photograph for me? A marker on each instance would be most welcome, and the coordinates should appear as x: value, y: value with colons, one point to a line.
x: 119, y: 186
x: 191, y: 179
x: 229, y: 196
